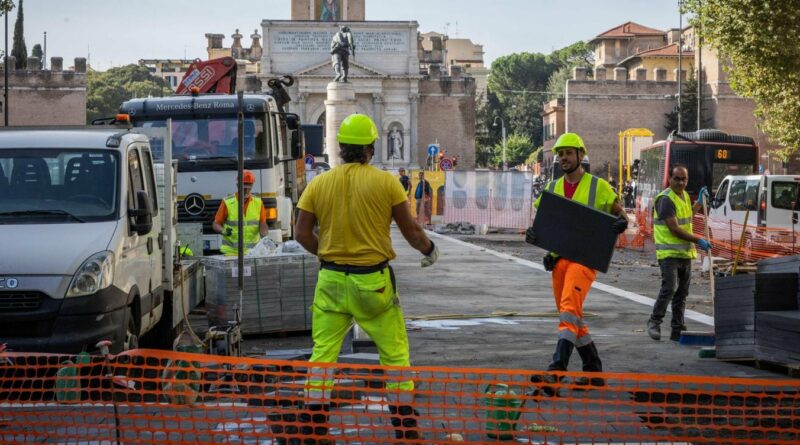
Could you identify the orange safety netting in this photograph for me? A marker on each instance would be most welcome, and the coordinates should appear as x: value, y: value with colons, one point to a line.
x: 752, y: 242
x: 146, y: 396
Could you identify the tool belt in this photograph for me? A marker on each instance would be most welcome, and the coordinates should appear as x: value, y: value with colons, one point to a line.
x: 358, y: 270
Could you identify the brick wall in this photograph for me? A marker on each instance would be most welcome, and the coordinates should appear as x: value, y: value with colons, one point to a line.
x: 447, y: 114
x: 45, y: 97
x: 599, y: 110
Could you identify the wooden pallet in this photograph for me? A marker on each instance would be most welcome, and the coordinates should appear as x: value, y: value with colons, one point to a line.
x: 790, y: 369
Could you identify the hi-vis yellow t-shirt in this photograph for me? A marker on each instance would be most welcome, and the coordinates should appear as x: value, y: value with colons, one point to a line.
x: 353, y: 205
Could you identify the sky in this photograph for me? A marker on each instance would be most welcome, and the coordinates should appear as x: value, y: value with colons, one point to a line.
x: 115, y: 33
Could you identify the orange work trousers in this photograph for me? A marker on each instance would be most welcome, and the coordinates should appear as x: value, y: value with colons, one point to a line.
x: 571, y: 283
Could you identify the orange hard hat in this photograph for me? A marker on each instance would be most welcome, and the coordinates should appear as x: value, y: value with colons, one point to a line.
x: 249, y: 177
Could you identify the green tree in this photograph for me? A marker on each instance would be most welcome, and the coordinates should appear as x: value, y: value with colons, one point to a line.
x: 107, y: 90
x: 518, y: 149
x: 37, y: 51
x: 19, y: 51
x: 759, y: 38
x: 579, y: 54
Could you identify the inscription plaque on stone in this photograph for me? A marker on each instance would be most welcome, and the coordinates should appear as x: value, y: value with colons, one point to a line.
x: 320, y: 41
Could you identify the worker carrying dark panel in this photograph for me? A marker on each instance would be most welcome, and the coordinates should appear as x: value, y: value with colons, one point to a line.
x: 354, y: 204
x: 571, y: 280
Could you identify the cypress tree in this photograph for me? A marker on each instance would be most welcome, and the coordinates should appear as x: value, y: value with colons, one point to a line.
x: 19, y: 50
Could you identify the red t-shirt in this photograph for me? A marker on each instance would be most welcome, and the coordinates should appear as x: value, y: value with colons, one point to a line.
x: 569, y: 189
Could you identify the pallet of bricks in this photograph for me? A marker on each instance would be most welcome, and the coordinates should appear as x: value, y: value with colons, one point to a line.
x: 757, y: 316
x: 277, y: 297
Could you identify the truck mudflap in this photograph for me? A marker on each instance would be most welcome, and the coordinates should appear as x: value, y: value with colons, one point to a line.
x: 69, y: 325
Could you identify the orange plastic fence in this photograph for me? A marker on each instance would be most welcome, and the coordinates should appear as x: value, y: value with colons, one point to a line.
x: 146, y: 396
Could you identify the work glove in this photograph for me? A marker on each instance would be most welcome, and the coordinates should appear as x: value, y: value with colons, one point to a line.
x: 703, y: 244
x: 431, y: 256
x: 702, y: 195
x: 549, y: 262
x: 530, y: 235
x: 227, y: 231
x: 620, y: 225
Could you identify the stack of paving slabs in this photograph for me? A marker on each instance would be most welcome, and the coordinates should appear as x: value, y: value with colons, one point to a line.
x: 778, y: 317
x: 735, y: 317
x: 277, y: 297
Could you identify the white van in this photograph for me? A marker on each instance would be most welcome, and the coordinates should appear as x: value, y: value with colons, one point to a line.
x: 82, y: 255
x: 771, y: 199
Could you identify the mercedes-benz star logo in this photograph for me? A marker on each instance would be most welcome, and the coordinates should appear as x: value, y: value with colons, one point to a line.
x: 194, y: 204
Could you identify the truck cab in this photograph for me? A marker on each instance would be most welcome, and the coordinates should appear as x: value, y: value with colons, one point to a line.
x: 82, y: 246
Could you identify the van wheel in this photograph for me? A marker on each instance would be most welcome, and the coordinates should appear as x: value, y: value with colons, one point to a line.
x: 131, y: 339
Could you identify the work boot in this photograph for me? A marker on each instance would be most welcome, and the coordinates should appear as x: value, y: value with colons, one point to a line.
x: 560, y: 362
x: 406, y: 426
x: 317, y: 416
x: 675, y: 335
x: 654, y: 329
x: 591, y: 363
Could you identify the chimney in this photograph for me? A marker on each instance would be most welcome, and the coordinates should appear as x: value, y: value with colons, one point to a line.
x: 600, y: 73
x: 236, y: 46
x: 641, y: 74
x: 255, y: 47
x: 215, y: 41
x: 660, y: 74
x: 620, y: 74
x: 80, y: 64
x: 578, y: 73
x: 56, y: 64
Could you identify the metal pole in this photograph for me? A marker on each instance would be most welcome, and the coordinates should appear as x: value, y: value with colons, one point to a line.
x: 699, y: 81
x: 240, y: 201
x: 680, y: 65
x: 5, y: 73
x: 505, y: 164
x: 44, y: 52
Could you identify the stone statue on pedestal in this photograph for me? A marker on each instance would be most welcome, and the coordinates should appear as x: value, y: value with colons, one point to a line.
x: 341, y: 47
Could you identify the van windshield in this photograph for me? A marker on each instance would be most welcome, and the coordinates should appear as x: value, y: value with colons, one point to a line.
x: 58, y: 186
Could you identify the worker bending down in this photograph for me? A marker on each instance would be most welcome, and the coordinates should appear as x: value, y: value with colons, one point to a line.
x: 571, y: 281
x: 354, y: 204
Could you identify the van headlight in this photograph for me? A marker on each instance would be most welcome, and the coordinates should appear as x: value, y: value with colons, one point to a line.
x: 95, y: 274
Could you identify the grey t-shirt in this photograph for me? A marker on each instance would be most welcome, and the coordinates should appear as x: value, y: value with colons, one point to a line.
x: 665, y: 208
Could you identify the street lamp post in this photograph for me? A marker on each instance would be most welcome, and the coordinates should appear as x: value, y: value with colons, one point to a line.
x: 503, y: 132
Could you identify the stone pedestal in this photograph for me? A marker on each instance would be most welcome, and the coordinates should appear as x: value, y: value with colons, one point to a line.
x: 341, y: 103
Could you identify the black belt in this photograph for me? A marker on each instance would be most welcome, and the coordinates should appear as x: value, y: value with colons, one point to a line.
x: 347, y: 268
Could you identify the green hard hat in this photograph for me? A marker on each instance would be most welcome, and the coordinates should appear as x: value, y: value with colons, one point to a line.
x: 569, y: 140
x: 357, y: 129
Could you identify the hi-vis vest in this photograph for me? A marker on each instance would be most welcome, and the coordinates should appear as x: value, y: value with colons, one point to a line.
x: 252, y: 219
x: 587, y: 193
x: 667, y: 244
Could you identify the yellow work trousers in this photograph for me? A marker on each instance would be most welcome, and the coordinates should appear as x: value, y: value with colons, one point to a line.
x: 371, y: 301
x: 571, y: 283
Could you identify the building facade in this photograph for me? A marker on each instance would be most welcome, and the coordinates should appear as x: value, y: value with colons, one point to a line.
x: 45, y: 97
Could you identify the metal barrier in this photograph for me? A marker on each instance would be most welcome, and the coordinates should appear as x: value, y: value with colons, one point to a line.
x: 146, y: 396
x: 497, y: 199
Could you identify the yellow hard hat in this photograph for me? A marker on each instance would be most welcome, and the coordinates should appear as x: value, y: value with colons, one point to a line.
x: 357, y: 129
x: 569, y: 140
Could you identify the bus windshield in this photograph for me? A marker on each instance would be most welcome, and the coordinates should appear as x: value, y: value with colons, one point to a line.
x: 199, y: 139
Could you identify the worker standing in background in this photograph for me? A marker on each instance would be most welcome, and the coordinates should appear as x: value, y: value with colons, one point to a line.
x: 226, y: 221
x: 571, y: 281
x: 354, y: 204
x: 674, y: 240
x: 424, y: 196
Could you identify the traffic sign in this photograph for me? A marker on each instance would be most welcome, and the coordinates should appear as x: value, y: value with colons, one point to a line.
x: 445, y: 164
x: 432, y: 150
x: 310, y: 160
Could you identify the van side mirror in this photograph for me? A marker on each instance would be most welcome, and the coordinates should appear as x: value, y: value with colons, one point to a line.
x: 143, y: 214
